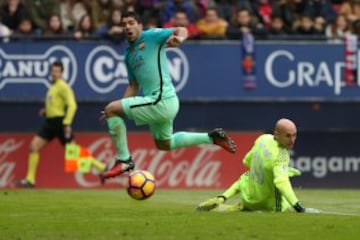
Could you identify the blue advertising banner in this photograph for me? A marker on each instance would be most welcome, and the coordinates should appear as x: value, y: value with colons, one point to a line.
x: 200, y: 70
x: 327, y: 160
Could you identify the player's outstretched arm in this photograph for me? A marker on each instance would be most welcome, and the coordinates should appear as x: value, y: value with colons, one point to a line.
x: 211, y: 203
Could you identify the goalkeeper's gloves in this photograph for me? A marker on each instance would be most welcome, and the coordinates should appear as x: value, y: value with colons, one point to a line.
x: 293, y: 172
x: 211, y: 203
x: 300, y: 209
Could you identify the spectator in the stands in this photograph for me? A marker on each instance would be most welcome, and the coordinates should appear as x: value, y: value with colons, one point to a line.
x: 172, y: 6
x: 148, y: 9
x: 5, y: 32
x: 12, y: 12
x: 130, y: 6
x: 243, y: 22
x: 287, y: 11
x: 322, y: 13
x: 84, y: 28
x: 336, y: 31
x: 351, y: 9
x: 320, y: 9
x: 54, y: 27
x: 262, y: 9
x: 151, y: 22
x: 25, y: 30
x: 278, y: 29
x: 180, y: 20
x: 40, y: 11
x: 68, y: 18
x: 225, y: 9
x: 100, y: 11
x: 212, y: 26
x: 202, y: 5
x: 80, y: 8
x: 306, y: 27
x: 112, y: 29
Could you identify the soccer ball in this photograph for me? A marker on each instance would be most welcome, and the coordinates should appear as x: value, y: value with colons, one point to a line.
x: 141, y: 184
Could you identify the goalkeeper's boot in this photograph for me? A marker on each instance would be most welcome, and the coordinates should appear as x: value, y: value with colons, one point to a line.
x: 219, y: 137
x: 119, y: 167
x: 25, y: 184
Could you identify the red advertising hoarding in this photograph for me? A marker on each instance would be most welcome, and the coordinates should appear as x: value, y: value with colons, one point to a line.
x: 204, y: 166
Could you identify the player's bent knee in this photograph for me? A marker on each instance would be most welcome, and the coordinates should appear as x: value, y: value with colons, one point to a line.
x: 113, y: 109
x: 109, y: 110
x: 163, y: 145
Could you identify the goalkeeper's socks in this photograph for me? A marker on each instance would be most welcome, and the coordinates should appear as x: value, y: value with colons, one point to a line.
x: 117, y: 130
x: 186, y: 139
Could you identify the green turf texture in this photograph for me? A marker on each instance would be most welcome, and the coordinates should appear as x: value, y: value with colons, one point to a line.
x: 168, y: 214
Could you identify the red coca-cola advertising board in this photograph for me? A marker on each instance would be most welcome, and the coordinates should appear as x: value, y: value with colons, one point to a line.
x: 204, y: 166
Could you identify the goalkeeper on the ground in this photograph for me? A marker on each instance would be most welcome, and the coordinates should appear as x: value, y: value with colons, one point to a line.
x: 266, y: 186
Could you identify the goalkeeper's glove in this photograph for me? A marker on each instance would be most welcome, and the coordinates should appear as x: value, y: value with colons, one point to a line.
x: 293, y: 172
x: 301, y: 209
x: 211, y: 203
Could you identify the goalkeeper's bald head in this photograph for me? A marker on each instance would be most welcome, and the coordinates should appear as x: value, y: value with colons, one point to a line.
x: 285, y: 132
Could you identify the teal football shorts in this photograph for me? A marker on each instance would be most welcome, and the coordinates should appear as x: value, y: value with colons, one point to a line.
x: 159, y: 116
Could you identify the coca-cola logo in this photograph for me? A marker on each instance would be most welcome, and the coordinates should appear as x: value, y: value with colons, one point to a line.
x: 175, y: 168
x: 7, y: 166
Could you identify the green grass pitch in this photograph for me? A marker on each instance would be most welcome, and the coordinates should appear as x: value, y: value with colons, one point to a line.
x: 168, y: 214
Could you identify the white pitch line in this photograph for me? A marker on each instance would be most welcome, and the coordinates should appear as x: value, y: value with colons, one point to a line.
x: 340, y: 213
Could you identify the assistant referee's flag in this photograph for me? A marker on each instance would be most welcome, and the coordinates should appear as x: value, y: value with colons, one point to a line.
x: 77, y: 158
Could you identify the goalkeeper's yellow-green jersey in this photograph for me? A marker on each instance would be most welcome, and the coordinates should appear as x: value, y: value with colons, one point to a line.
x: 60, y: 102
x: 267, y: 183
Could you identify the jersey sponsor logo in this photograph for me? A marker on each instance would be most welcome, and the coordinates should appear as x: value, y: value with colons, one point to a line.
x: 296, y: 73
x: 35, y: 68
x: 105, y: 69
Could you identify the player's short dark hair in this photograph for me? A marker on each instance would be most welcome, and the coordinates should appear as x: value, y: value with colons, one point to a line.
x: 59, y: 64
x: 133, y: 15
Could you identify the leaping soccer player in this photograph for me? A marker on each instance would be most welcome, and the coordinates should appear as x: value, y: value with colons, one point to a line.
x: 147, y: 69
x: 266, y: 186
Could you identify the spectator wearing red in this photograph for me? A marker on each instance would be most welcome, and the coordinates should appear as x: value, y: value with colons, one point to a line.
x: 180, y: 19
x: 262, y: 9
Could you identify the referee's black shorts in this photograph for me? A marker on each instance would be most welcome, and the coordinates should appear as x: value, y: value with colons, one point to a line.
x: 53, y: 128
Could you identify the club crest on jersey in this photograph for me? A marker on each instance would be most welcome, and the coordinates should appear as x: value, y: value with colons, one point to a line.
x: 142, y: 46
